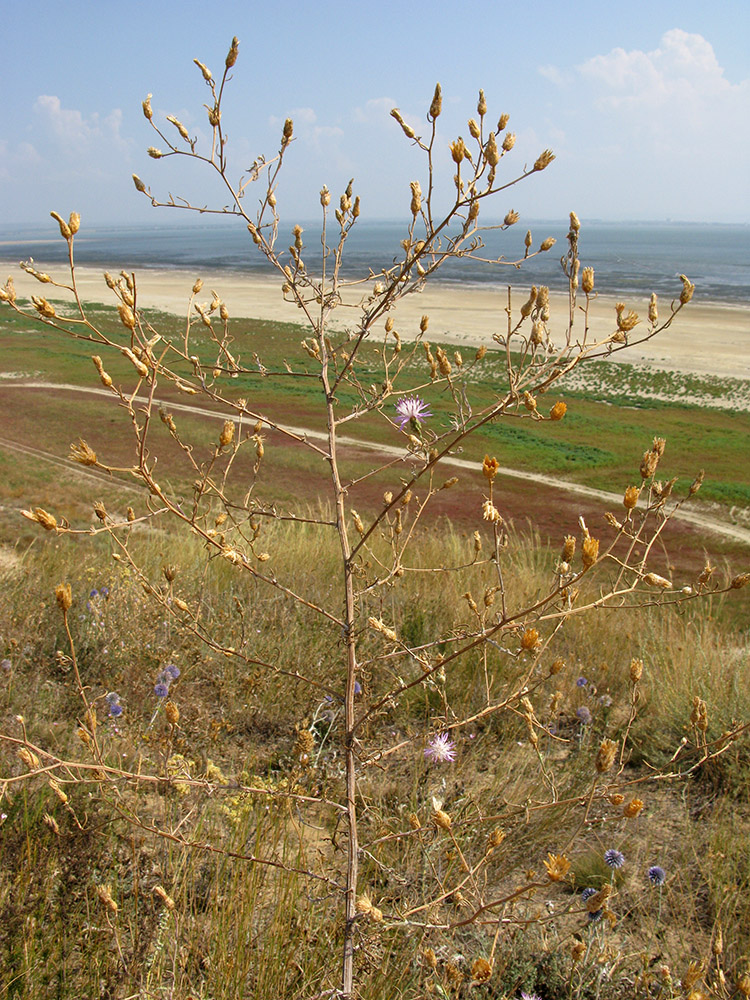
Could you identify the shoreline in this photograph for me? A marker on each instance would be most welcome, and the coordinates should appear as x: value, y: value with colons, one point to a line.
x: 706, y: 338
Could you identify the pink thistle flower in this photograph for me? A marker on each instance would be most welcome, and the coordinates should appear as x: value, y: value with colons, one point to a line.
x: 439, y: 749
x: 411, y: 409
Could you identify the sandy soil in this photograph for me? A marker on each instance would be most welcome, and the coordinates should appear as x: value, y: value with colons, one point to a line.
x: 710, y: 339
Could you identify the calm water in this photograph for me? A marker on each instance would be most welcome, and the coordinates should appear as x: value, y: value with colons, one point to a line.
x: 629, y: 258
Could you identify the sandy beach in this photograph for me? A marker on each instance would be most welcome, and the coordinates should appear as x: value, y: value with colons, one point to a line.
x: 706, y: 338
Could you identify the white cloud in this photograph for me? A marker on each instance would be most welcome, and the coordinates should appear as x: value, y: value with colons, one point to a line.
x: 75, y: 131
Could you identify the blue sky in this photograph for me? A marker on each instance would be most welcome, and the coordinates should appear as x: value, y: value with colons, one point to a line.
x: 646, y: 104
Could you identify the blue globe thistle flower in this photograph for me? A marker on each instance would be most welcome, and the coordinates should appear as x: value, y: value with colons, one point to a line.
x: 172, y: 671
x: 587, y: 893
x: 614, y: 859
x: 657, y: 875
x: 161, y: 690
x: 595, y: 916
x: 93, y: 593
x: 584, y: 715
x: 581, y: 682
x: 115, y: 709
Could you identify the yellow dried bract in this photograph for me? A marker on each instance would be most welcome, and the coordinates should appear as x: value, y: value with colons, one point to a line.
x: 557, y: 866
x: 558, y: 411
x: 490, y: 467
x: 589, y: 551
x: 605, y: 756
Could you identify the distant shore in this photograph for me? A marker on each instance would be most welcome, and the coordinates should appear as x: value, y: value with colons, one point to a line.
x: 706, y: 338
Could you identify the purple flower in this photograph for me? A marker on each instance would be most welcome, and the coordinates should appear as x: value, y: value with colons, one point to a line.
x: 584, y: 715
x: 112, y: 698
x: 614, y: 859
x: 529, y: 996
x: 439, y: 749
x: 581, y: 682
x: 115, y: 709
x: 411, y: 409
x: 172, y: 671
x: 94, y: 593
x: 357, y: 687
x: 657, y: 875
x: 595, y: 916
x: 588, y: 893
x: 161, y: 690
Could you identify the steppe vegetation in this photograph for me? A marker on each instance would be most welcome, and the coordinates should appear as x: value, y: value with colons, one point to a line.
x: 286, y: 716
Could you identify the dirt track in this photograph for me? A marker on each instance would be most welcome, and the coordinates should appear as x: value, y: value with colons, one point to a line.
x: 699, y: 521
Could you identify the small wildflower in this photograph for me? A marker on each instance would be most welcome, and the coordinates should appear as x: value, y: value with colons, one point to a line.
x: 529, y: 996
x: 411, y: 409
x: 115, y: 710
x: 588, y: 893
x: 613, y: 858
x: 657, y: 875
x: 172, y: 671
x: 439, y: 749
x: 584, y: 715
x: 161, y: 690
x: 581, y: 682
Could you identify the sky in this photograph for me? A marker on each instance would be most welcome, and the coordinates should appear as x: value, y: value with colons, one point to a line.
x: 645, y: 104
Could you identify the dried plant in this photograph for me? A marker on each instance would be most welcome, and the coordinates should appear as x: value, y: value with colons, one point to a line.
x: 397, y: 385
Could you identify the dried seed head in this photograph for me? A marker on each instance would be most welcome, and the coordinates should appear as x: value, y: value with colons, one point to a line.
x: 743, y: 984
x: 557, y: 866
x: 58, y: 791
x: 511, y: 218
x: 543, y: 161
x: 74, y: 222
x: 154, y: 153
x: 633, y: 808
x: 597, y: 901
x: 43, y: 307
x: 631, y: 497
x: 286, y: 135
x: 491, y: 513
x: 64, y: 596
x: 528, y: 306
x: 146, y: 105
x: 530, y: 639
x: 636, y: 670
x: 738, y: 582
x: 547, y: 244
x: 481, y: 969
x: 589, y: 551
x: 82, y: 453
x: 474, y: 130
x: 648, y: 464
x: 234, y: 49
x: 441, y: 819
x: 437, y: 102
x: 654, y: 580
x: 458, y: 150
x: 626, y: 321
x: 29, y: 758
x: 605, y: 756
x: 587, y: 280
x: 126, y: 316
x: 407, y: 129
x: 139, y: 185
x: 577, y: 951
x: 692, y: 975
x: 558, y: 411
x: 172, y: 713
x: 495, y: 839
x: 490, y: 467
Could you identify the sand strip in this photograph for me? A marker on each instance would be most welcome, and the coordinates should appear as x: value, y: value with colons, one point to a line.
x: 706, y: 338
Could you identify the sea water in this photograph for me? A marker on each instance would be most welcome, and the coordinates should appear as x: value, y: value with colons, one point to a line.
x: 629, y: 258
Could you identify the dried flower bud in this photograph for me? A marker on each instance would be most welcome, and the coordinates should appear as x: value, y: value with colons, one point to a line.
x: 589, y: 551
x: 491, y: 153
x: 29, y: 758
x: 626, y: 321
x: 569, y: 548
x: 577, y: 951
x: 654, y: 580
x: 234, y: 49
x: 441, y: 819
x: 146, y: 105
x: 474, y: 130
x: 139, y: 185
x: 605, y: 756
x: 556, y: 666
x: 437, y: 102
x: 458, y: 150
x: 653, y: 312
x: 227, y: 433
x: 161, y: 894
x: 172, y: 713
x: 633, y: 808
x: 696, y: 483
x: 509, y: 140
x: 636, y: 670
x: 416, y: 198
x: 286, y: 136
x: 648, y: 464
x: 547, y: 244
x: 527, y: 240
x: 687, y: 290
x: 490, y: 467
x: 104, y: 893
x: 64, y: 227
x: 587, y: 280
x: 481, y: 969
x: 407, y: 129
x: 511, y: 218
